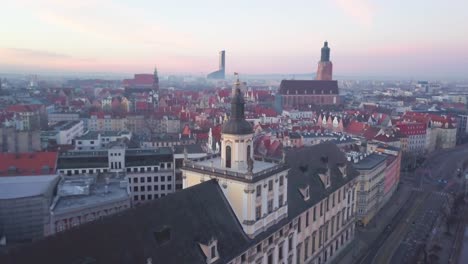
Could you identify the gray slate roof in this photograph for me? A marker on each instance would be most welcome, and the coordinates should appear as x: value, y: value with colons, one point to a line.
x: 191, y: 149
x: 193, y: 215
x: 305, y: 164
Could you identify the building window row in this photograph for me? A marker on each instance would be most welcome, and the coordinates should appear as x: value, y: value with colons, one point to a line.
x: 82, y: 171
x: 149, y: 188
x: 156, y: 178
x: 269, y: 185
x: 143, y: 169
x: 144, y: 197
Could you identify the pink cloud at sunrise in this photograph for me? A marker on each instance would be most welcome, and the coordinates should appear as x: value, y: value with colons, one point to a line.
x: 366, y: 37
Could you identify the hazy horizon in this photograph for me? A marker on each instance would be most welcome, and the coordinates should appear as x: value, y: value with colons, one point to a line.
x: 409, y: 40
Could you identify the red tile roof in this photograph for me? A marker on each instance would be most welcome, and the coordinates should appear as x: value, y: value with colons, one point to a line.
x: 142, y: 105
x: 216, y: 132
x: 356, y: 128
x: 224, y: 93
x: 410, y: 129
x: 144, y: 78
x: 140, y: 79
x: 370, y: 133
x: 24, y: 164
x: 23, y: 108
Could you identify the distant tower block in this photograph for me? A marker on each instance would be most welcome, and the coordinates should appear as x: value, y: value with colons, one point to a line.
x: 221, y: 72
x: 222, y: 60
x: 325, y: 66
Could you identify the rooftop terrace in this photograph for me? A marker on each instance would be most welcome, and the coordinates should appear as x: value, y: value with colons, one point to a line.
x: 211, y: 164
x: 94, y: 194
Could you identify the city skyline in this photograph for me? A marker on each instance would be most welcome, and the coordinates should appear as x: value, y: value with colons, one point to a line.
x: 420, y: 39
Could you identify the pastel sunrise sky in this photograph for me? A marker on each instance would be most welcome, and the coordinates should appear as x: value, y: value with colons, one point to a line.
x: 411, y: 38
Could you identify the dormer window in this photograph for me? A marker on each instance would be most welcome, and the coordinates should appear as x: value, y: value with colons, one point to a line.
x: 210, y: 250
x: 342, y: 168
x: 305, y: 192
x: 213, y: 252
x: 325, y: 178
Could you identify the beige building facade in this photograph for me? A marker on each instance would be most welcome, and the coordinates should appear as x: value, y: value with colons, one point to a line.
x: 370, y: 184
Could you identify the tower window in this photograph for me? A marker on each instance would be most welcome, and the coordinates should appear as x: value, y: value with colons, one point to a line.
x: 248, y: 151
x: 259, y: 190
x: 228, y: 157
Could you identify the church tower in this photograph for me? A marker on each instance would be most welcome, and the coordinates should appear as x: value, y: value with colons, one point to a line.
x: 255, y: 187
x: 236, y: 134
x: 156, y: 79
x: 155, y: 92
x: 325, y: 66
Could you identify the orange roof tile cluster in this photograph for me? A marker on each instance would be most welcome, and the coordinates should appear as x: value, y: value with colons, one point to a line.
x: 32, y: 163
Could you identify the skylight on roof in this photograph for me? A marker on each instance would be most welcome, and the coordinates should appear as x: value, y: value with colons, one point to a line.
x: 162, y: 236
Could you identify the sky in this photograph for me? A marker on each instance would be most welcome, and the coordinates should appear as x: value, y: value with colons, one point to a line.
x: 409, y: 39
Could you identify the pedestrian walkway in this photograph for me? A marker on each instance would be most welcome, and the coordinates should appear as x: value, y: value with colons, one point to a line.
x: 367, y: 235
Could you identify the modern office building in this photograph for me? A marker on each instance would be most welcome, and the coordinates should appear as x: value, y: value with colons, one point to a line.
x: 62, y: 133
x: 93, y: 140
x: 55, y: 117
x: 27, y: 184
x: 149, y: 172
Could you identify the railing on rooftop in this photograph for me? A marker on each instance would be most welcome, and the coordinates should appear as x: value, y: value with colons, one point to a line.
x: 223, y: 172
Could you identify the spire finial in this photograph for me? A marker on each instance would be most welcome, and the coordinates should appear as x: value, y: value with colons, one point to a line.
x: 237, y: 83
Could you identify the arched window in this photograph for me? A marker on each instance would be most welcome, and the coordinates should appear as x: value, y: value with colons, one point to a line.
x: 248, y: 152
x: 228, y: 157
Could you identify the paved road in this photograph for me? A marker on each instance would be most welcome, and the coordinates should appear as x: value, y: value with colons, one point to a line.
x: 413, y: 224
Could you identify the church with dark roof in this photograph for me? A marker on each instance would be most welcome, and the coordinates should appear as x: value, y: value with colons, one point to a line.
x: 323, y: 91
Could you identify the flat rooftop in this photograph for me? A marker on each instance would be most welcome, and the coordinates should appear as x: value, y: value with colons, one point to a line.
x: 64, y: 125
x: 25, y: 186
x: 97, y: 196
x: 90, y: 135
x: 93, y: 135
x: 128, y: 152
x: 369, y: 162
